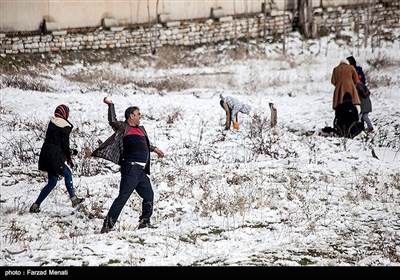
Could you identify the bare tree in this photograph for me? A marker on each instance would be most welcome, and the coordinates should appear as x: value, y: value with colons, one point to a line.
x: 366, y: 27
x: 155, y: 42
x: 284, y: 28
x: 265, y: 19
x: 248, y: 27
x: 357, y: 28
x: 306, y: 22
x: 375, y: 28
x: 235, y: 25
x: 150, y: 29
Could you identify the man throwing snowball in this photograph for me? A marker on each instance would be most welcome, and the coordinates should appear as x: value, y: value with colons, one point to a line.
x: 130, y: 148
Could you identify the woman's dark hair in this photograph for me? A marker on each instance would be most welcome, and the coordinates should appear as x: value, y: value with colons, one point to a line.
x: 130, y: 110
x: 352, y: 61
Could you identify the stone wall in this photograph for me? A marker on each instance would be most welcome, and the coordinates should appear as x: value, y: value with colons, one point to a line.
x: 218, y: 28
x: 352, y: 16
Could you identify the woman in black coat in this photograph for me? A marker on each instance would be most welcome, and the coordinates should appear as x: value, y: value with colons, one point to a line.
x: 53, y: 154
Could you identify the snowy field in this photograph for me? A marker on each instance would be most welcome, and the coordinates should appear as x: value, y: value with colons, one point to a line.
x: 259, y: 196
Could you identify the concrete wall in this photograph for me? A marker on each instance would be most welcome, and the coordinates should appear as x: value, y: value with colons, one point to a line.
x: 28, y: 15
x: 20, y: 16
x: 141, y: 38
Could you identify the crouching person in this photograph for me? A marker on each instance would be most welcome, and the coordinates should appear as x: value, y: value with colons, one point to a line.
x: 232, y: 107
x: 346, y: 123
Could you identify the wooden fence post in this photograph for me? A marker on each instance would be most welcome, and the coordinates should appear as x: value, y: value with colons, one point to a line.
x: 274, y: 114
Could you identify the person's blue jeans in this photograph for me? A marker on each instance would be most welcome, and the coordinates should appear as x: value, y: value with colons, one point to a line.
x: 52, y: 180
x: 364, y: 117
x: 133, y: 177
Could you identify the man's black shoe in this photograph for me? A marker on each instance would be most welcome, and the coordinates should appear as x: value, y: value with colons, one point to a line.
x: 106, y: 228
x: 145, y: 224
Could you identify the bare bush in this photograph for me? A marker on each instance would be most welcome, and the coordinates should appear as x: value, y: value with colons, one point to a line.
x: 265, y: 140
x: 382, y: 61
x: 375, y: 81
x: 100, y: 78
x: 15, y: 233
x: 26, y: 82
x: 169, y: 83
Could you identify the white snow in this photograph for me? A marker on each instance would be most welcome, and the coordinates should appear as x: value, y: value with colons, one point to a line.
x: 283, y: 197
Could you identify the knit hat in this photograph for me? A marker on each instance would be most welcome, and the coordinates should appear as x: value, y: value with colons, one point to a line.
x: 62, y: 111
x: 245, y: 109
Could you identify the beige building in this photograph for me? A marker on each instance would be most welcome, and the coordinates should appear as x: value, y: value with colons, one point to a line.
x: 16, y: 15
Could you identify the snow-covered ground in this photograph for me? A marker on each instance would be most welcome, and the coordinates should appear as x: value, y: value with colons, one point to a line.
x: 259, y: 196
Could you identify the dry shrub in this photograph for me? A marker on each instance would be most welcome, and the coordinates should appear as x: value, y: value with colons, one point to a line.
x: 168, y: 56
x: 26, y: 81
x: 166, y: 84
x: 379, y: 81
x: 237, y: 53
x: 98, y: 78
x: 15, y: 233
x: 382, y: 61
x: 172, y: 117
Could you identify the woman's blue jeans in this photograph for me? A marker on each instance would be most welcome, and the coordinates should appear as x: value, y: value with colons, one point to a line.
x: 52, y: 182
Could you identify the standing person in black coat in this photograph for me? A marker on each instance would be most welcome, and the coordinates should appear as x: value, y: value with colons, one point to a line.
x: 359, y: 70
x: 346, y: 122
x: 53, y: 154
